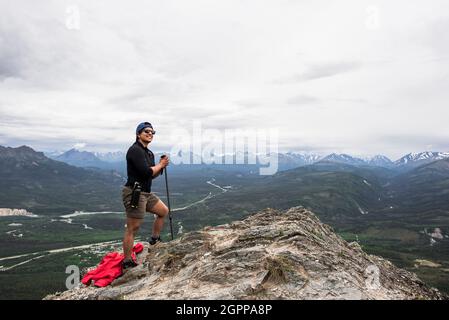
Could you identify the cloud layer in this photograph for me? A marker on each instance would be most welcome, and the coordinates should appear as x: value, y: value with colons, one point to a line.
x: 332, y: 77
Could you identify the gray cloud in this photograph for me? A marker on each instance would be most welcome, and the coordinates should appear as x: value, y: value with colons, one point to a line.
x: 13, y: 50
x: 319, y: 71
x: 435, y: 36
x: 302, y: 100
x: 436, y: 142
x: 168, y: 90
x: 248, y: 103
x: 178, y: 68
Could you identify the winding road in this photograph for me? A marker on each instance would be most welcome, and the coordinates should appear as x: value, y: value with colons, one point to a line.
x: 45, y: 253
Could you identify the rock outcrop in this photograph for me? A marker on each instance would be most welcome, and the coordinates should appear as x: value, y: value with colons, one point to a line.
x: 270, y: 255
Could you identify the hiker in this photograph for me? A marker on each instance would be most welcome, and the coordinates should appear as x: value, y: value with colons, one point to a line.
x: 141, y: 168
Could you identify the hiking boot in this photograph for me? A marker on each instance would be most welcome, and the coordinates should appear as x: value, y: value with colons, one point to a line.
x: 127, y: 264
x: 154, y: 240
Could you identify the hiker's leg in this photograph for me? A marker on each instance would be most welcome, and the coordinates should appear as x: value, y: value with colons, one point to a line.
x: 132, y: 225
x: 161, y: 210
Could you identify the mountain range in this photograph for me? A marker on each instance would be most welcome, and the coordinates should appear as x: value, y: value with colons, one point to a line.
x: 338, y: 184
x: 86, y: 159
x: 417, y: 159
x: 288, y: 160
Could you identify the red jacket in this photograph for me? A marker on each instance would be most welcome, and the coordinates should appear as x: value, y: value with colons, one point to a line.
x: 109, y: 269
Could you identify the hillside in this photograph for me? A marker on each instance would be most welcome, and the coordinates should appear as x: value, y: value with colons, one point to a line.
x: 424, y: 188
x: 270, y: 255
x: 31, y: 181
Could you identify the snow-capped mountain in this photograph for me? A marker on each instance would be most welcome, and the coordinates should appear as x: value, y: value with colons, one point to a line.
x: 86, y: 159
x: 79, y: 158
x: 414, y: 159
x: 344, y: 158
x: 290, y: 160
x: 306, y: 158
x: 286, y: 160
x: 380, y: 161
x: 53, y: 154
x: 115, y: 156
x: 377, y: 160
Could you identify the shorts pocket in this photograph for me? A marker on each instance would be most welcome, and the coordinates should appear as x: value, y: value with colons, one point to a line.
x: 126, y: 197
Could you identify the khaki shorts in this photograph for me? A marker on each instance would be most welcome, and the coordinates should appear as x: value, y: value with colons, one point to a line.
x: 147, y: 201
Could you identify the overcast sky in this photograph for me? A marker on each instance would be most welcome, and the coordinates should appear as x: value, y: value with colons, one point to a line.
x: 353, y: 76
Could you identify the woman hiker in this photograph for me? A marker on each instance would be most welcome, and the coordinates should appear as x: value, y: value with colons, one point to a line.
x: 142, y: 169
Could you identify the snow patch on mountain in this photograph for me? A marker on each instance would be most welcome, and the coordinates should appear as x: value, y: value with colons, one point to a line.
x: 421, y: 157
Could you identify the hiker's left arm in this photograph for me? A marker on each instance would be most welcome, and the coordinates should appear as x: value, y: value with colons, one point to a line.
x: 158, y: 168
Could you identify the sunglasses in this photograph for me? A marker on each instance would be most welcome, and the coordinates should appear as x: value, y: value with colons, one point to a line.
x: 150, y: 131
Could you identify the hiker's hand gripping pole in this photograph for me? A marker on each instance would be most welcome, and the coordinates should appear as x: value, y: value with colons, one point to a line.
x: 168, y: 199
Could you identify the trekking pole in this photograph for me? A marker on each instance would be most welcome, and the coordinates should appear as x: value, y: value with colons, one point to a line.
x: 168, y: 200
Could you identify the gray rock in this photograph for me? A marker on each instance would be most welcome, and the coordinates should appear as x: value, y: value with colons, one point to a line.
x: 270, y: 255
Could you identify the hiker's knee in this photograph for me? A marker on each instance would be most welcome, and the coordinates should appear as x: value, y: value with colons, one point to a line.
x: 132, y: 227
x: 164, y: 211
x: 160, y: 209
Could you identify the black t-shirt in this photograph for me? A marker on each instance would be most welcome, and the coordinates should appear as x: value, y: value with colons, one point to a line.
x: 139, y: 161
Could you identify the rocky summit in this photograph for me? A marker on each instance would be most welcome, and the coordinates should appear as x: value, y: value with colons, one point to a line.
x: 269, y: 255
